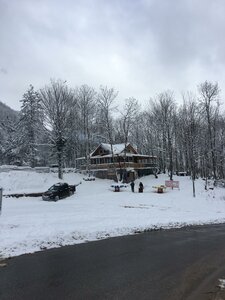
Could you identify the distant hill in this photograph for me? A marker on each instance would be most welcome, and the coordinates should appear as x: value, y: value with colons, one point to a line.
x: 8, y: 117
x: 8, y: 113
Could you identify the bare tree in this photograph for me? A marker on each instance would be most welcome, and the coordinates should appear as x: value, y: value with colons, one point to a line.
x: 209, y: 95
x: 73, y: 147
x: 191, y: 122
x: 221, y: 146
x: 57, y: 100
x: 129, y: 113
x: 163, y: 109
x: 105, y: 101
x: 87, y: 106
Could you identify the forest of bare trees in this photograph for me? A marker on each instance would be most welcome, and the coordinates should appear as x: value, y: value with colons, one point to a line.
x: 58, y: 124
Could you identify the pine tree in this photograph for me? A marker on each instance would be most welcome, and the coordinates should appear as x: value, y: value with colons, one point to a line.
x: 30, y: 125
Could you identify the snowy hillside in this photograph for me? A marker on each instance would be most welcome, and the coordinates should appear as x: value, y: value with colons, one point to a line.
x: 96, y: 212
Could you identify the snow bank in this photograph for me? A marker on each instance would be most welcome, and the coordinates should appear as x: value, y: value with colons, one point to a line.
x: 95, y: 211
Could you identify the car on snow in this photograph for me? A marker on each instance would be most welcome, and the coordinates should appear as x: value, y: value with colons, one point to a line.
x: 58, y: 191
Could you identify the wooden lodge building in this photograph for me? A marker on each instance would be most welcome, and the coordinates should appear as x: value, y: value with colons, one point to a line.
x: 128, y: 163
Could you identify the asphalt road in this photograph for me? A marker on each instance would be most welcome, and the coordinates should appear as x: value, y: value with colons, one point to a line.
x: 173, y: 264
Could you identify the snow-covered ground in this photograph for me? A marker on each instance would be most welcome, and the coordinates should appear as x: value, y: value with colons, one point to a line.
x: 96, y: 212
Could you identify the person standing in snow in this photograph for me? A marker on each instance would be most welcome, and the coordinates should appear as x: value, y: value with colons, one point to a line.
x: 141, y: 187
x: 132, y: 186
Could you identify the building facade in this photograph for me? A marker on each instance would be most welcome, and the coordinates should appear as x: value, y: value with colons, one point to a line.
x: 120, y: 162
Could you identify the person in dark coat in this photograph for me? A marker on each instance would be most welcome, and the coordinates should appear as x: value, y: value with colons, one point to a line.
x: 132, y: 186
x: 141, y: 187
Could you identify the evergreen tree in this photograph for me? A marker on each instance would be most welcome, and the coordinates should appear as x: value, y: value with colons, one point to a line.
x: 30, y: 125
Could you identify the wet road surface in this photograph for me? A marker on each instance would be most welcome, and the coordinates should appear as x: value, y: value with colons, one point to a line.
x: 173, y: 264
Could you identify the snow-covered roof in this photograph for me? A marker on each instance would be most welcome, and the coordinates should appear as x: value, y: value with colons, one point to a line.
x: 117, y: 148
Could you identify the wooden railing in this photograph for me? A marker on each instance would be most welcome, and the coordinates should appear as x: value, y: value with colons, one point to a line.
x: 120, y: 166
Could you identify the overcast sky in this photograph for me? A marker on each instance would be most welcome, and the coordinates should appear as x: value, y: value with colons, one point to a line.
x: 139, y: 47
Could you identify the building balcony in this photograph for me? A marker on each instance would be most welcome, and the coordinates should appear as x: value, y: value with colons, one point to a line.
x: 132, y: 165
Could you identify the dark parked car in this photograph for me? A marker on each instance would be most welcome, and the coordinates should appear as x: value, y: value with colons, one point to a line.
x: 58, y: 191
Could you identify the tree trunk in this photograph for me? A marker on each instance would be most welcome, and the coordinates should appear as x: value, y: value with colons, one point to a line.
x: 60, y: 171
x: 193, y: 184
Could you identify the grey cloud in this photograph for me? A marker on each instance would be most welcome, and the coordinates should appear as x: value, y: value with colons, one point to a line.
x: 140, y: 47
x: 186, y: 31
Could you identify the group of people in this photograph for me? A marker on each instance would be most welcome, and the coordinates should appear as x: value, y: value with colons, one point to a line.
x: 140, y: 189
